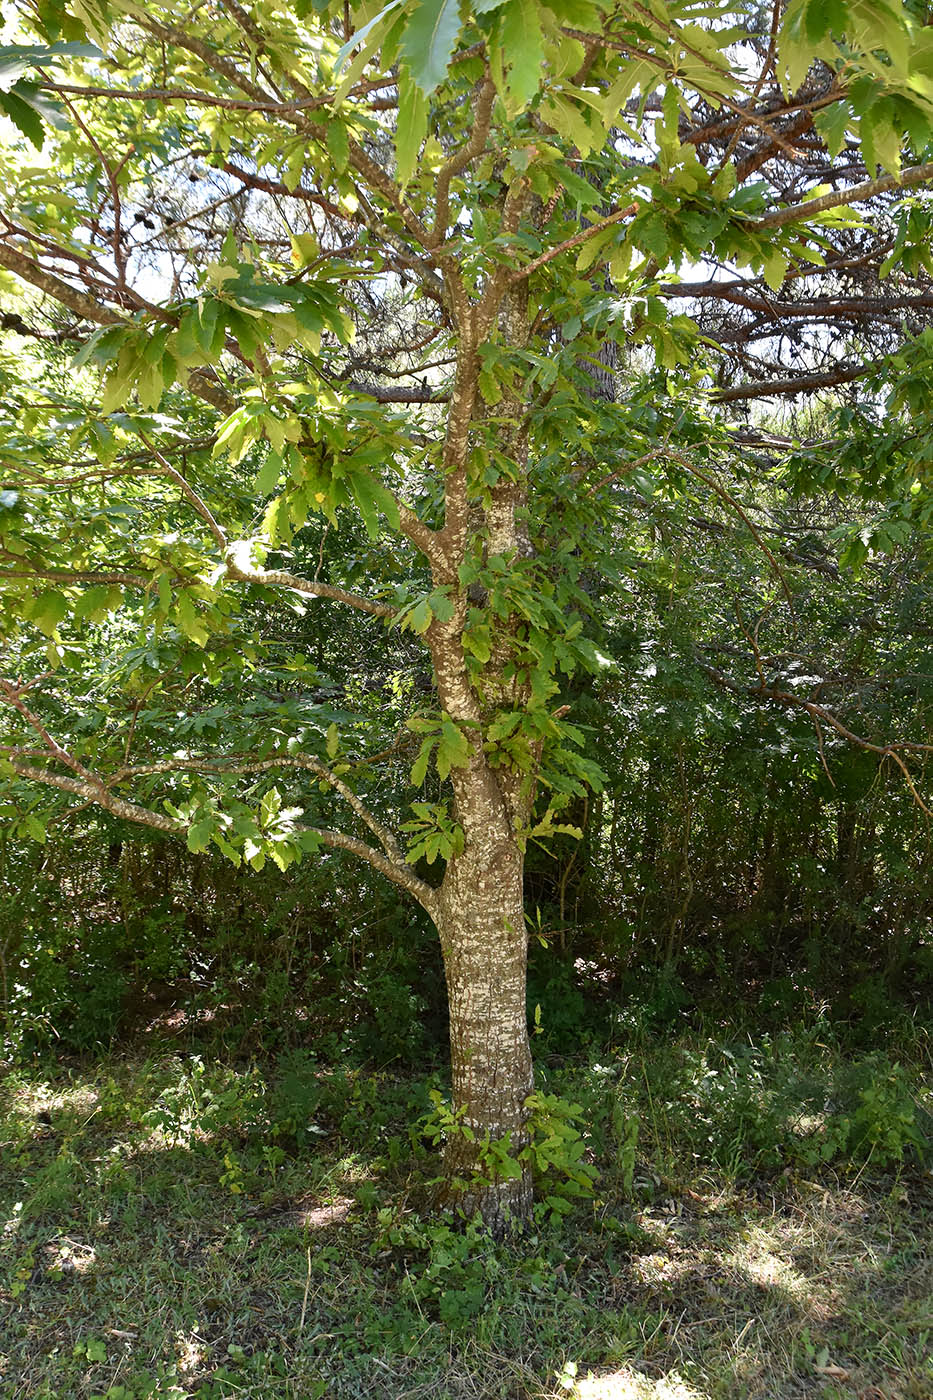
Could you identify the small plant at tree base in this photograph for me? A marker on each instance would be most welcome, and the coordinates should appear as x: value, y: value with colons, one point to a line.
x: 555, y: 1151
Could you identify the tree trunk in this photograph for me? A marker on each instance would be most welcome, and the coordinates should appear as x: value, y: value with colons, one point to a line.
x: 481, y: 923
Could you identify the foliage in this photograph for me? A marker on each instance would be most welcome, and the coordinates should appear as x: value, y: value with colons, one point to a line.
x: 554, y: 1150
x: 362, y: 501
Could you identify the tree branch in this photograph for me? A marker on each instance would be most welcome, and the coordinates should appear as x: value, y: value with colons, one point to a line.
x: 205, y: 99
x: 236, y: 558
x: 259, y: 182
x: 406, y: 877
x: 99, y: 796
x: 77, y: 301
x: 236, y: 553
x: 768, y: 387
x: 241, y: 763
x: 380, y: 182
x: 75, y: 576
x: 165, y: 468
x: 403, y: 876
x: 91, y: 310
x: 913, y: 175
x: 573, y: 242
x: 482, y: 119
x: 13, y: 694
x: 397, y: 393
x: 819, y: 713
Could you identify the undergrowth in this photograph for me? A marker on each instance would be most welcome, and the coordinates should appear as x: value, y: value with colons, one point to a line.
x: 735, y: 1219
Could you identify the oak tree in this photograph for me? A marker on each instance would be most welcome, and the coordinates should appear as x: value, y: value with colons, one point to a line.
x: 430, y: 280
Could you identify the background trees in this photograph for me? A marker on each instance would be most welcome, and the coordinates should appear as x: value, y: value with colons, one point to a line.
x: 452, y: 324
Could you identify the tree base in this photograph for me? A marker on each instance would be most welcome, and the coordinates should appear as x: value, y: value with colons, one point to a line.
x: 505, y: 1207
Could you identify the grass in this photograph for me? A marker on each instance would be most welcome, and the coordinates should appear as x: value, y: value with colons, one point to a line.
x: 178, y: 1227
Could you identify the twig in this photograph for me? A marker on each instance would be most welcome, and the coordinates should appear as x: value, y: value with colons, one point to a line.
x: 304, y: 1301
x: 574, y: 242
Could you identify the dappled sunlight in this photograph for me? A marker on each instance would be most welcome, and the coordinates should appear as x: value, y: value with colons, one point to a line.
x: 184, y: 1139
x: 659, y: 1272
x: 806, y: 1252
x: 630, y: 1384
x: 353, y: 1170
x: 713, y: 1291
x: 67, y: 1255
x: 759, y: 1258
x: 319, y: 1217
x: 191, y: 1351
x: 34, y: 1103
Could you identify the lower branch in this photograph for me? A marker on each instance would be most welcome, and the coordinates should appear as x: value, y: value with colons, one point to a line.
x: 200, y: 381
x: 402, y: 875
x: 768, y: 388
x: 239, y: 567
x: 235, y: 764
x: 100, y: 795
x: 96, y: 793
x: 856, y: 194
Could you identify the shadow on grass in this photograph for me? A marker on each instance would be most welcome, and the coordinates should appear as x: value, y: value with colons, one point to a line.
x: 159, y: 1239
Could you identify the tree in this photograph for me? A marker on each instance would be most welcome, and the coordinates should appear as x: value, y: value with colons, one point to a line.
x: 436, y: 285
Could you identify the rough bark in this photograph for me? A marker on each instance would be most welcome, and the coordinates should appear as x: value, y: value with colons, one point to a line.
x: 480, y: 911
x: 482, y: 928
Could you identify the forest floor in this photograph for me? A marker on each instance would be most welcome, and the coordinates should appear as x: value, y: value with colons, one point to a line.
x: 173, y: 1227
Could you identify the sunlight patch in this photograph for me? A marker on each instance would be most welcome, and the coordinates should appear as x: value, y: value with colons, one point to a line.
x: 191, y: 1351
x: 334, y: 1212
x: 628, y: 1385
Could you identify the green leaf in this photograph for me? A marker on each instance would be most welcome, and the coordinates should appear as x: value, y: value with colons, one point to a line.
x: 651, y: 232
x: 209, y: 322
x: 775, y: 268
x: 593, y: 247
x: 23, y: 116
x: 832, y: 124
x: 188, y: 621
x: 441, y: 604
x: 476, y: 642
x: 268, y: 476
x: 15, y: 59
x: 99, y: 602
x: 102, y: 346
x: 568, y: 120
x: 270, y: 806
x: 361, y: 35
x: 48, y: 610
x: 522, y: 48
x: 412, y: 125
x: 489, y: 387
x: 421, y: 617
x: 428, y: 41
x: 881, y: 140
x: 371, y: 496
x: 33, y: 827
x: 198, y: 836
x: 338, y: 145
x: 165, y: 593
x: 420, y: 766
x: 453, y: 749
x: 581, y: 191
x: 503, y: 726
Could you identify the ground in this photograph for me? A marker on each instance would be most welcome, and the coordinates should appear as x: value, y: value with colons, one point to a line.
x: 174, y: 1228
